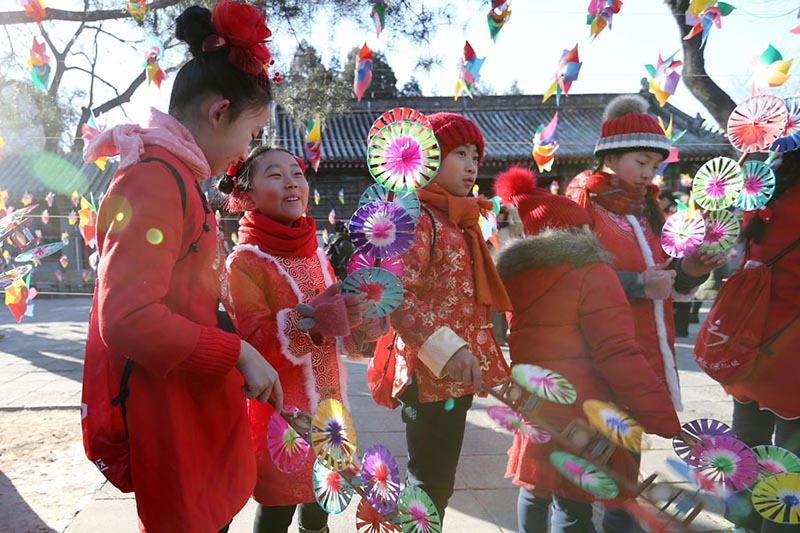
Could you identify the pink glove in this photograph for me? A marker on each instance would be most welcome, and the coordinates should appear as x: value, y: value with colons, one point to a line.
x: 658, y: 281
x: 357, y: 305
x: 326, y: 314
x: 372, y: 329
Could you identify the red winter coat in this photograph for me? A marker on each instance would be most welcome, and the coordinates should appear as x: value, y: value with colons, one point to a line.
x: 774, y: 383
x: 192, y: 462
x: 571, y: 316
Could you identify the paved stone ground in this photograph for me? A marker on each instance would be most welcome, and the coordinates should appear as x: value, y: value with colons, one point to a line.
x: 41, y: 365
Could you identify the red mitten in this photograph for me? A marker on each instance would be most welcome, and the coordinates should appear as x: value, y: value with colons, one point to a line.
x: 326, y: 314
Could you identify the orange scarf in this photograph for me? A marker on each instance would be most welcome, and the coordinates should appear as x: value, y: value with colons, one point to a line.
x: 463, y: 212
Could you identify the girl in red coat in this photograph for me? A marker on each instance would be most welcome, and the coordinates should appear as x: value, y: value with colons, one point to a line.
x: 191, y: 459
x: 276, y: 266
x: 571, y: 316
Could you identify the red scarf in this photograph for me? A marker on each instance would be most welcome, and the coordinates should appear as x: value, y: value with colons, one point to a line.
x: 463, y: 212
x: 274, y: 238
x: 615, y: 195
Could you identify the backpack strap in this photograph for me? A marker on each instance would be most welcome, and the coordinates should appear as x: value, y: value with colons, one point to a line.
x: 176, y: 175
x: 782, y: 253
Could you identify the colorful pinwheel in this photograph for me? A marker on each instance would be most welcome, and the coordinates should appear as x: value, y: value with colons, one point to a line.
x: 381, y: 229
x: 416, y: 512
x: 790, y: 137
x: 777, y: 498
x: 359, y: 260
x: 585, y: 475
x: 381, y: 479
x: 332, y: 491
x: 615, y: 424
x: 664, y: 78
x: 569, y: 66
x: 87, y: 217
x: 368, y: 520
x: 407, y: 199
x: 363, y: 75
x: 757, y: 123
x: 710, y: 14
x: 19, y: 298
x: 341, y: 196
x: 8, y: 277
x: 35, y: 9
x: 726, y: 462
x: 137, y: 10
x: 39, y: 253
x: 498, y: 16
x: 758, y: 187
x: 683, y: 233
x: 378, y: 15
x: 39, y: 62
x: 332, y: 217
x: 287, y: 448
x: 383, y: 289
x: 90, y: 130
x: 45, y: 217
x: 600, y: 14
x: 544, y: 383
x: 516, y: 423
x: 333, y: 436
x: 545, y: 144
x: 717, y: 184
x: 398, y: 114
x: 317, y: 197
x: 403, y: 155
x: 63, y: 261
x: 773, y: 460
x: 554, y: 187
x: 154, y: 51
x: 769, y: 70
x: 470, y: 68
x: 313, y: 147
x: 722, y: 232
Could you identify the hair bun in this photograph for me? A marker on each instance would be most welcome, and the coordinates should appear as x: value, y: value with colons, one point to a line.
x: 622, y: 105
x: 514, y: 182
x: 193, y: 26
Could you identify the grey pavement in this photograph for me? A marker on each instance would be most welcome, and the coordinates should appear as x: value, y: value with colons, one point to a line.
x: 41, y: 362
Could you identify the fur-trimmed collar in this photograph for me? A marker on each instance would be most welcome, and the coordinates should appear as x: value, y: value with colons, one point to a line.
x: 551, y: 247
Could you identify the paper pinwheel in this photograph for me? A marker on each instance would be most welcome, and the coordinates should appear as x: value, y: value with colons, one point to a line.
x: 717, y: 184
x: 664, y: 78
x: 35, y: 9
x: 154, y: 51
x: 325, y: 237
x: 368, y: 520
x: 341, y: 196
x: 19, y: 297
x: 317, y: 197
x: 381, y: 479
x: 554, y: 187
x: 378, y: 15
x: 769, y: 70
x: 497, y: 17
x: 332, y: 491
x: 333, y: 436
x: 722, y: 232
x: 288, y: 450
x: 363, y: 75
x: 544, y: 383
x: 407, y: 199
x: 39, y: 253
x: 398, y: 114
x: 45, y: 217
x: 383, y: 289
x: 313, y: 147
x: 683, y: 233
x: 600, y: 13
x: 359, y: 260
x: 516, y: 423
x: 757, y: 123
x: 790, y: 137
x: 569, y: 66
x: 709, y: 15
x: 758, y: 188
x: 332, y: 217
x: 403, y: 155
x: 773, y: 460
x: 585, y: 475
x: 75, y: 198
x: 64, y: 262
x: 416, y: 512
x: 39, y: 62
x: 545, y: 144
x: 10, y: 276
x: 381, y: 229
x: 470, y: 68
x: 137, y: 10
x: 50, y: 198
x: 777, y: 498
x: 615, y: 424
x: 88, y: 222
x: 89, y: 130
x: 725, y: 461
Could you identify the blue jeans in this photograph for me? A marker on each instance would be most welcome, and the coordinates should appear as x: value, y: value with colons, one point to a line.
x: 434, y: 434
x: 755, y: 427
x: 566, y: 516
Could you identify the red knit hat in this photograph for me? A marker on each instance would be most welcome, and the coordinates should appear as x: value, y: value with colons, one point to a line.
x: 628, y: 127
x: 453, y: 129
x: 538, y: 208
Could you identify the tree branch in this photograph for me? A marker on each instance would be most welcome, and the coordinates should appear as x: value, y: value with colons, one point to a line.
x: 21, y: 17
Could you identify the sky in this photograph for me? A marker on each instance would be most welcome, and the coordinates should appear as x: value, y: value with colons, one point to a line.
x: 529, y: 46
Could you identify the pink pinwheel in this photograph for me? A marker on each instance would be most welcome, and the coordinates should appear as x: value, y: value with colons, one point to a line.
x: 470, y: 67
x: 363, y: 71
x: 600, y: 14
x: 416, y: 512
x: 569, y: 66
x: 545, y: 145
x: 516, y: 423
x: 288, y: 450
x: 392, y: 264
x: 403, y: 155
x: 664, y: 78
x: 758, y: 122
x: 313, y: 145
x: 381, y: 479
x: 683, y: 233
x: 726, y: 462
x: 708, y: 17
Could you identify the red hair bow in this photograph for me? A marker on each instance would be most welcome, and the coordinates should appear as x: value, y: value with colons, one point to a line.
x: 243, y: 29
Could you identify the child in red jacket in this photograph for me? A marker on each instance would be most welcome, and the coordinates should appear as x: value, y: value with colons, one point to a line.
x: 276, y: 266
x: 570, y: 316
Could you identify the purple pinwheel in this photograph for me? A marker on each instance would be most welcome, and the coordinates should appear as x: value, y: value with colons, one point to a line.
x: 392, y: 264
x: 381, y: 229
x: 381, y: 479
x: 695, y: 429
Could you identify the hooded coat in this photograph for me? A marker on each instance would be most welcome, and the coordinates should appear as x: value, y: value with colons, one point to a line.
x: 571, y: 316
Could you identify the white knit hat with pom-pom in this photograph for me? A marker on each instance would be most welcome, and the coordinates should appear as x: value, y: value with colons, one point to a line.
x: 627, y: 127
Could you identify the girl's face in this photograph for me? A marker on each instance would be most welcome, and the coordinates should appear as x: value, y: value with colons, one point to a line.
x: 636, y: 169
x: 226, y: 141
x: 459, y: 170
x: 278, y: 187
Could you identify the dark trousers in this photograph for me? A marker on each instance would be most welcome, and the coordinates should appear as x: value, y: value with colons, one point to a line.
x: 278, y: 518
x: 755, y: 427
x: 680, y: 313
x: 565, y: 515
x: 434, y: 434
